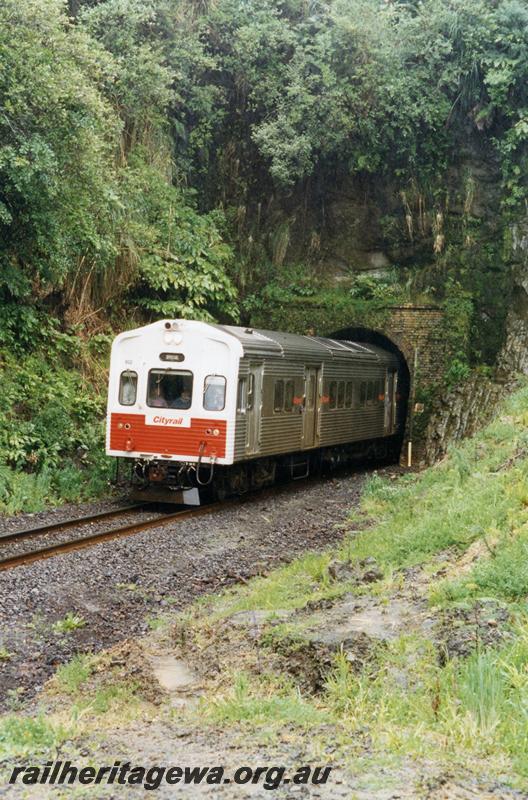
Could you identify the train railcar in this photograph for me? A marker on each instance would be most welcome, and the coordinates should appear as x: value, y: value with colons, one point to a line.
x: 193, y: 404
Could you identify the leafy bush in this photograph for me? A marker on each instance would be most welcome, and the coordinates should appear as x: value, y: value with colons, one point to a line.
x: 51, y: 418
x: 183, y: 262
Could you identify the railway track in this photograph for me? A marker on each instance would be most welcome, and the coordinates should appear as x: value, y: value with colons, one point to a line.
x: 52, y: 527
x: 83, y: 540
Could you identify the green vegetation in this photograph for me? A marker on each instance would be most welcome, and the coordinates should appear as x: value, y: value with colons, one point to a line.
x: 71, y: 676
x: 203, y: 159
x: 76, y: 216
x: 478, y: 493
x: 289, y: 587
x: 303, y: 298
x: 117, y: 699
x: 158, y: 623
x: 473, y: 706
x: 27, y: 735
x: 51, y: 408
x: 276, y: 703
x: 93, y: 689
x: 71, y: 622
x: 95, y: 697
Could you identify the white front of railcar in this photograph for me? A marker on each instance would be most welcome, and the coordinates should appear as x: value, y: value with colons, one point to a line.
x: 172, y: 396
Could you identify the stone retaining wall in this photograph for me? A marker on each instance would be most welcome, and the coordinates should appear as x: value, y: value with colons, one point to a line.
x: 460, y: 412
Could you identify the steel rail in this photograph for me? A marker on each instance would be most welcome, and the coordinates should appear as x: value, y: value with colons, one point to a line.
x: 51, y: 527
x: 82, y: 542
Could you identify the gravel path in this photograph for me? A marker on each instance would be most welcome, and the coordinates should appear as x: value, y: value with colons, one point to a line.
x: 117, y: 585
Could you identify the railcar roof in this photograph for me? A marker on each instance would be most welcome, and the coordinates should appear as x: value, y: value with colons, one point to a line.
x: 260, y: 342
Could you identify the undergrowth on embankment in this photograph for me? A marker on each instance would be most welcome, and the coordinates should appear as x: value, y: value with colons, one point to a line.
x: 52, y: 405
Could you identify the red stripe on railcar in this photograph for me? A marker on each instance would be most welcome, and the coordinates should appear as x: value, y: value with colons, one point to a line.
x: 138, y: 437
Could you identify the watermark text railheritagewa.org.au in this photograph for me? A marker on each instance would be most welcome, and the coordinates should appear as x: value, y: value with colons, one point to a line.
x: 60, y: 773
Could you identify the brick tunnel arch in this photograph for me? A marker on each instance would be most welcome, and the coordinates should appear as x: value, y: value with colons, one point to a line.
x: 369, y: 336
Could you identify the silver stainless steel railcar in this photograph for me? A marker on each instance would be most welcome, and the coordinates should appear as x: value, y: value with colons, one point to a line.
x: 283, y: 403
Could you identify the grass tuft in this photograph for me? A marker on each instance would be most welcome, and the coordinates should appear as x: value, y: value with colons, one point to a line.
x: 70, y: 677
x: 272, y: 703
x: 71, y: 622
x: 26, y: 735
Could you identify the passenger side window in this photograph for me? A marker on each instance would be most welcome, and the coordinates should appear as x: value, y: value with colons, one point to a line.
x: 363, y: 394
x: 332, y: 393
x: 278, y: 400
x: 128, y: 388
x: 288, y: 396
x: 370, y: 392
x: 349, y: 392
x: 341, y: 394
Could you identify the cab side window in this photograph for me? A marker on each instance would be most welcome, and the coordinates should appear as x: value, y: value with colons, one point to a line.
x: 214, y: 393
x: 128, y: 388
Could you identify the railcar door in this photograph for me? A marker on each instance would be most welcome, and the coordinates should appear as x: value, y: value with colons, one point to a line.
x: 254, y: 408
x: 311, y: 404
x: 391, y: 381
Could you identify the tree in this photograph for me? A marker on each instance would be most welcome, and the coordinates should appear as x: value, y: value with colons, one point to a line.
x: 57, y: 187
